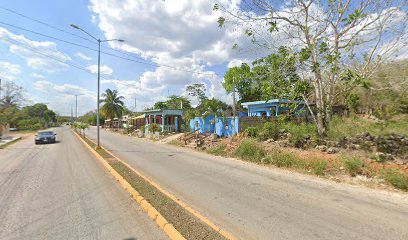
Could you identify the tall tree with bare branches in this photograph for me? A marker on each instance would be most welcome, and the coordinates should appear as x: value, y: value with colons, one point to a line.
x: 339, y: 42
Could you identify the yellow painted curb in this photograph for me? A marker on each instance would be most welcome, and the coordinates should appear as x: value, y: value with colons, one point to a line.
x: 172, y: 232
x: 221, y: 231
x: 152, y: 212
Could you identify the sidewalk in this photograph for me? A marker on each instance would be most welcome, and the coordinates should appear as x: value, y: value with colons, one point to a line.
x: 8, y: 140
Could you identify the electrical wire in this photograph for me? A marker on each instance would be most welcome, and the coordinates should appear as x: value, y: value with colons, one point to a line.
x: 79, y: 45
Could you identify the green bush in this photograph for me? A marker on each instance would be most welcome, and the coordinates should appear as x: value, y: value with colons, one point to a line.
x: 250, y: 150
x: 353, y: 164
x: 298, y: 132
x: 218, y: 150
x: 142, y: 128
x: 397, y: 179
x: 269, y: 130
x: 251, y: 131
x: 154, y: 128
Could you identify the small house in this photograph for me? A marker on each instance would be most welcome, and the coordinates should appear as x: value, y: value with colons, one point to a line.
x: 274, y: 107
x: 168, y: 120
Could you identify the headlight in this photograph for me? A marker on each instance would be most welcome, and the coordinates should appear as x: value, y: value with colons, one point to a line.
x: 37, y: 138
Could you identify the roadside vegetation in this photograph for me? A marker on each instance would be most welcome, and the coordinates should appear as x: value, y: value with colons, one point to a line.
x: 15, y: 112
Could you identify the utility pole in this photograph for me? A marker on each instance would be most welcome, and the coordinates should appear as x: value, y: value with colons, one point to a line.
x: 233, y: 106
x: 72, y: 117
x: 135, y: 106
x: 76, y: 108
x: 98, y: 146
x: 0, y: 88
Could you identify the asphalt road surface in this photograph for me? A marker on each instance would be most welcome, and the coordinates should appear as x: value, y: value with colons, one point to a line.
x: 256, y: 202
x: 59, y: 191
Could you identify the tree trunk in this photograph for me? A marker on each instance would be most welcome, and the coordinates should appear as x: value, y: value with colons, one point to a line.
x: 320, y: 106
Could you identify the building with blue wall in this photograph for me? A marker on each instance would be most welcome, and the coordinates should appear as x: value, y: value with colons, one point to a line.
x: 274, y: 107
x: 223, y: 126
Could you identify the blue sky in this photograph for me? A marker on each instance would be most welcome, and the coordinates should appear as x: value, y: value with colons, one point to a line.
x: 169, y: 43
x: 50, y: 81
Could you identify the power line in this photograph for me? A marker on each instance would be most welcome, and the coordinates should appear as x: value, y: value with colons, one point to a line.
x: 43, y: 23
x: 47, y: 55
x: 64, y: 31
x: 106, y: 53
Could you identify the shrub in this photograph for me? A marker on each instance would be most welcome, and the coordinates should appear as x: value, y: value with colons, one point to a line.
x: 142, y: 128
x: 252, y: 131
x: 298, y: 132
x: 353, y: 164
x: 218, y: 150
x: 154, y: 128
x: 269, y: 130
x: 397, y: 179
x: 250, y: 150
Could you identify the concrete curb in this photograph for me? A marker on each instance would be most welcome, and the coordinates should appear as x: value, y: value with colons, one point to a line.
x: 216, y: 228
x: 151, y: 211
x: 3, y: 145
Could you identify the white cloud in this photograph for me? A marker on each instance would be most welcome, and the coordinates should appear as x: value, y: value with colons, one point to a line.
x: 42, y: 56
x: 36, y: 75
x: 104, y: 69
x: 183, y: 35
x: 9, y: 70
x: 61, y: 97
x: 83, y: 56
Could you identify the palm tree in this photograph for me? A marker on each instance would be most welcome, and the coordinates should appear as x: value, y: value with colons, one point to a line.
x: 112, y: 104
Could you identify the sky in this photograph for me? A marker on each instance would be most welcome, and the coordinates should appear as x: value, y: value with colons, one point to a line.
x: 168, y: 44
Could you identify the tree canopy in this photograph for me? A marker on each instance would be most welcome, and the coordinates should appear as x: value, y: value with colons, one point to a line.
x: 113, y: 105
x: 173, y: 102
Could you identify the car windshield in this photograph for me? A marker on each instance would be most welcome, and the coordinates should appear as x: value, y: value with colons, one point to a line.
x: 45, y: 133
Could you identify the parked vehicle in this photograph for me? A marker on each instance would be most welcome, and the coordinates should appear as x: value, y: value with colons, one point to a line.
x: 45, y: 137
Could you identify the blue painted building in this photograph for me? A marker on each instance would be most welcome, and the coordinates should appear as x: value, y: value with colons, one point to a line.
x: 223, y: 126
x: 274, y: 107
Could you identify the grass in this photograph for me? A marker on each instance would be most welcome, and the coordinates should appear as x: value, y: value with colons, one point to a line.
x: 397, y: 179
x: 187, y: 224
x: 250, y: 150
x: 352, y: 126
x: 354, y: 165
x: 177, y: 143
x: 289, y: 160
x: 218, y: 150
x: 318, y: 167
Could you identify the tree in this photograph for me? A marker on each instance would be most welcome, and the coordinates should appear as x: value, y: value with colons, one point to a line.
x: 197, y: 90
x: 112, y: 104
x: 212, y: 107
x: 36, y: 116
x: 330, y: 37
x: 10, y: 103
x: 242, y: 79
x: 12, y: 95
x: 173, y: 102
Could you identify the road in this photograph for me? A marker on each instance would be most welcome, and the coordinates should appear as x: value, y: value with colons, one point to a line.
x: 256, y: 202
x: 59, y: 191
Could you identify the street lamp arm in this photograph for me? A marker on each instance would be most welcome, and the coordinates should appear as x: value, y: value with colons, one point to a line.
x: 76, y: 27
x: 109, y: 40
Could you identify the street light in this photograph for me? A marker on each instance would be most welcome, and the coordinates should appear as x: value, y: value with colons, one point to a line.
x: 99, y: 76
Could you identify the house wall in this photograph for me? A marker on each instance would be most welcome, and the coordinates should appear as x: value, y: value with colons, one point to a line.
x: 203, y: 125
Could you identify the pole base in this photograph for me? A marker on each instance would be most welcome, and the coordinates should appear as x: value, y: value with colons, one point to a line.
x: 98, y: 147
